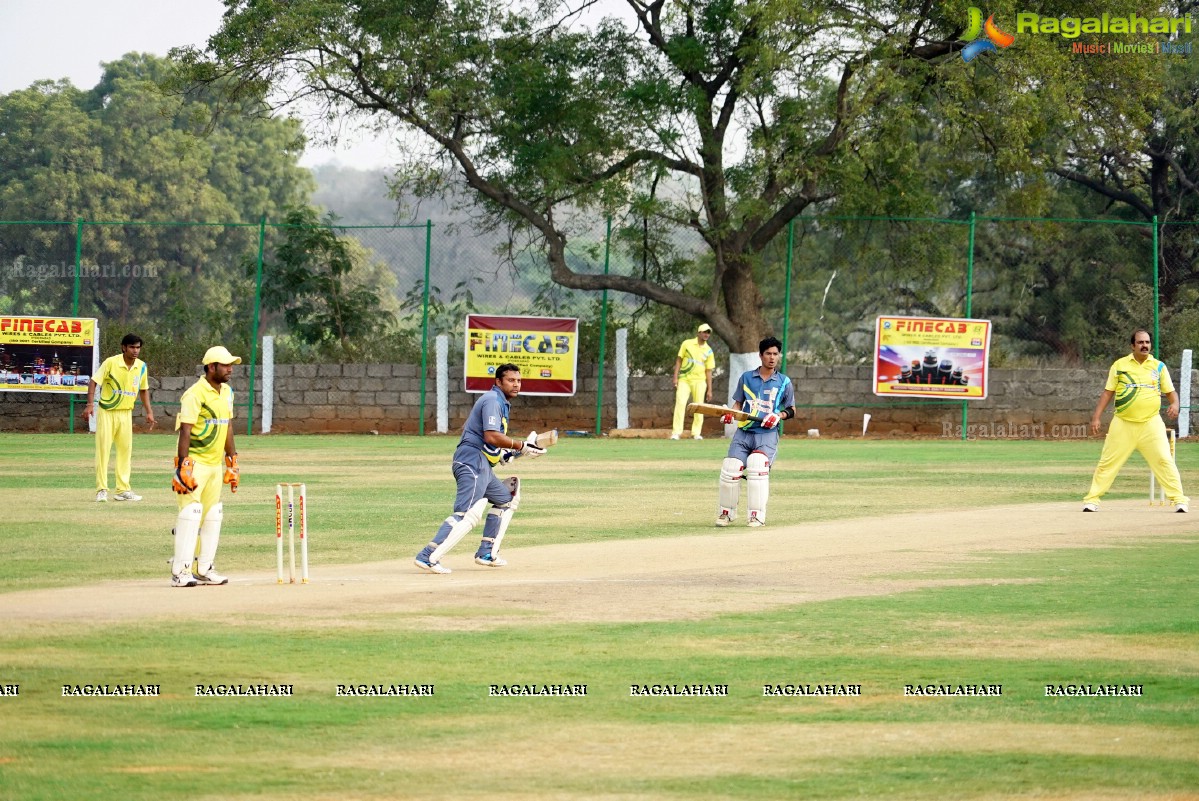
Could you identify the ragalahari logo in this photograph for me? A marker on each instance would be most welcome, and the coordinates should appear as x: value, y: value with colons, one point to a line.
x: 980, y: 44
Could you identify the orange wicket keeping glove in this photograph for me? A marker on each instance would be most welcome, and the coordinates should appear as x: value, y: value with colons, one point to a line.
x: 182, y: 480
x: 232, y: 472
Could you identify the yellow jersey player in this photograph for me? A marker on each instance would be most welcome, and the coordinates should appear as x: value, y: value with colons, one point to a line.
x: 1137, y: 382
x: 120, y: 380
x: 692, y: 378
x: 205, y: 457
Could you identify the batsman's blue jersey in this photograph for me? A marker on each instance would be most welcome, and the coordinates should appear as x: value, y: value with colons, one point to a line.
x: 490, y: 413
x: 761, y: 397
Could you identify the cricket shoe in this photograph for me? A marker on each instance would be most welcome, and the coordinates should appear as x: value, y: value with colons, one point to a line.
x: 1181, y: 508
x: 127, y: 495
x: 1090, y: 507
x: 697, y: 436
x: 185, y: 579
x: 211, y: 577
x: 674, y: 436
x: 102, y: 496
x: 724, y: 520
x: 490, y: 561
x: 431, y: 567
x: 755, y: 521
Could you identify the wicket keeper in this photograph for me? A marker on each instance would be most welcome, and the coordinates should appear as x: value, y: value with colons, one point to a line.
x: 484, y: 445
x: 1137, y: 382
x: 120, y: 379
x: 205, y: 436
x: 769, y: 396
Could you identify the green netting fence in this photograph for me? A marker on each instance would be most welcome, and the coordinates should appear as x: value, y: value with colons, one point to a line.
x: 1057, y: 291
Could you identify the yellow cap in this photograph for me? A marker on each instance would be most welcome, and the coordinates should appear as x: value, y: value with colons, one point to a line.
x: 219, y: 354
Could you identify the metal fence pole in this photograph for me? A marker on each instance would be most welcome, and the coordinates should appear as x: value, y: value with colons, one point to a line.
x: 969, y: 305
x: 787, y: 293
x: 254, y: 332
x: 1156, y: 291
x: 75, y: 305
x: 424, y: 326
x: 599, y: 394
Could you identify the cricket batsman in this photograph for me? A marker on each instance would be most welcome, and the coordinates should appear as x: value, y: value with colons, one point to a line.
x: 769, y: 396
x: 484, y: 445
x: 205, y: 457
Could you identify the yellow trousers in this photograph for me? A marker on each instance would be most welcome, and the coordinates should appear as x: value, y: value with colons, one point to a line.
x: 684, y: 393
x: 114, y: 428
x: 1149, y: 438
x: 209, y: 480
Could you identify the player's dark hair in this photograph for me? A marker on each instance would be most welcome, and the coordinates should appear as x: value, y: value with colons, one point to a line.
x: 1132, y: 340
x: 505, y: 368
x: 130, y: 339
x: 768, y: 343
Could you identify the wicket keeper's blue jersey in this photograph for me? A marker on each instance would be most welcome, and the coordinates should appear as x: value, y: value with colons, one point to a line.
x: 760, y: 396
x: 490, y: 413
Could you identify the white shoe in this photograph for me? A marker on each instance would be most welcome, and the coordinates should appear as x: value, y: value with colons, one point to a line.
x: 755, y: 521
x: 1181, y: 507
x: 724, y: 519
x: 431, y: 567
x: 698, y: 436
x: 127, y: 495
x: 674, y: 436
x: 184, y: 579
x: 490, y: 561
x: 211, y: 577
x: 102, y: 496
x: 1090, y: 507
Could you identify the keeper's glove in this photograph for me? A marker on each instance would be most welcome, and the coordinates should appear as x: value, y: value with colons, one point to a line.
x: 182, y: 480
x: 232, y: 472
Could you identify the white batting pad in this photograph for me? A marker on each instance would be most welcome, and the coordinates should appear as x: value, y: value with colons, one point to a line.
x: 757, y: 479
x: 730, y: 487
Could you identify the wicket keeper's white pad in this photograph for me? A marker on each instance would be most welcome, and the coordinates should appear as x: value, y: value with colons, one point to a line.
x: 459, y: 528
x: 730, y: 487
x: 757, y: 480
x: 210, y: 535
x: 187, y: 529
x: 504, y: 513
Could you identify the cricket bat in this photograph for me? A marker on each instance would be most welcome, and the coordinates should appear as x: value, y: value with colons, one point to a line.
x: 717, y: 411
x: 547, y: 439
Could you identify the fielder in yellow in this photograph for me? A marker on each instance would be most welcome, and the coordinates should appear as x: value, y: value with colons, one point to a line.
x: 204, y: 457
x: 693, y: 380
x: 120, y: 380
x: 1137, y: 382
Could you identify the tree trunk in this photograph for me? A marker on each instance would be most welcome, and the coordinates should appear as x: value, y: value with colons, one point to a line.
x: 743, y: 304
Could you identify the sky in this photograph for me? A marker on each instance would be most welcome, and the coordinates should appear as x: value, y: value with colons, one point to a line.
x: 52, y: 39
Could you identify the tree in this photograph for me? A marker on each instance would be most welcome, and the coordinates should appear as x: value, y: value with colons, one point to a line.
x: 126, y: 152
x: 752, y: 111
x: 312, y: 281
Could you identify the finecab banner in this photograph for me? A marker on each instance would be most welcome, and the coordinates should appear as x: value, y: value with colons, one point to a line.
x: 546, y: 349
x: 48, y: 354
x: 931, y: 357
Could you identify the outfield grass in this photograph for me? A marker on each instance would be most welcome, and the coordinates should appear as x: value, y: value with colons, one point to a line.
x: 375, y: 498
x: 1123, y: 615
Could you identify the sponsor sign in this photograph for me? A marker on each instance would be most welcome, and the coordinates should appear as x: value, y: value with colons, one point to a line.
x: 544, y: 348
x: 931, y: 357
x: 48, y: 354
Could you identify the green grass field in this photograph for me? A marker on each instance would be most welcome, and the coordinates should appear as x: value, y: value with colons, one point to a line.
x: 1123, y: 609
